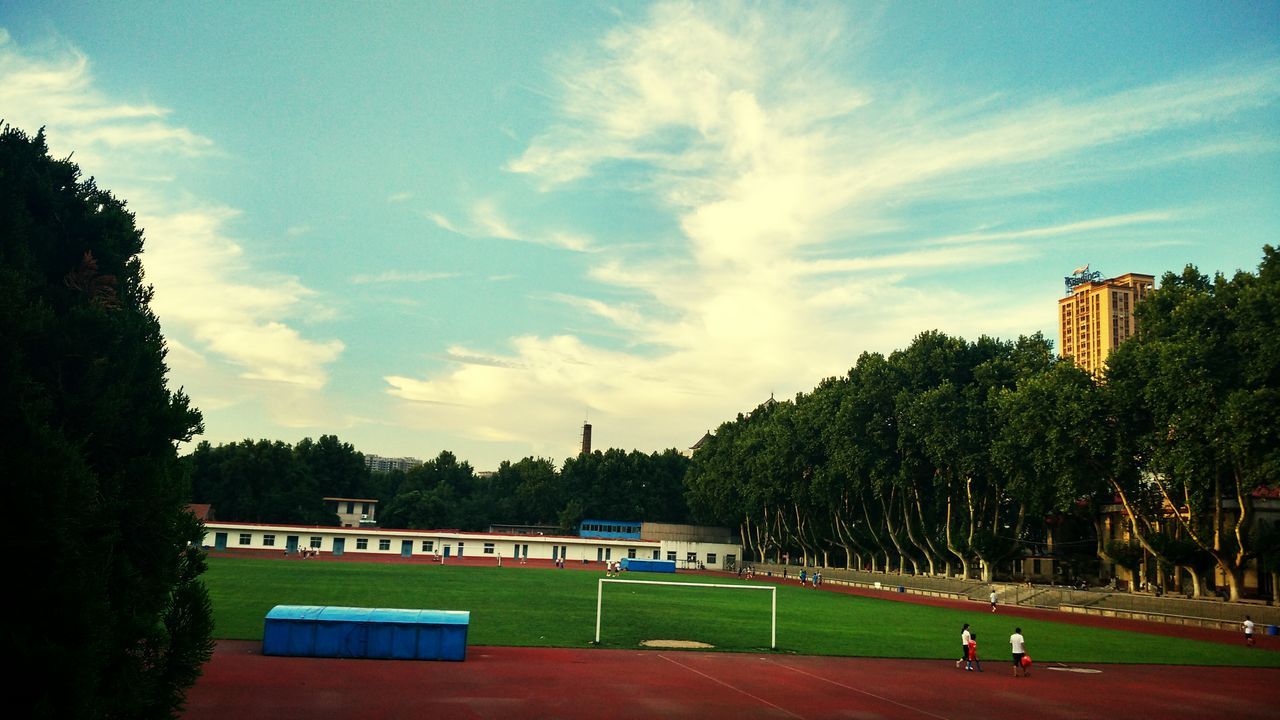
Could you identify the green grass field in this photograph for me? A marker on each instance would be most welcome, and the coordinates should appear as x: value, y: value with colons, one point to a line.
x: 556, y: 608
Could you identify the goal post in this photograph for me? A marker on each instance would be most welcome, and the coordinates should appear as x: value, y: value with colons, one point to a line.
x: 773, y: 606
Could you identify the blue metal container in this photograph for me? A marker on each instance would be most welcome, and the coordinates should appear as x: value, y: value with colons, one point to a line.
x: 640, y: 565
x: 389, y: 633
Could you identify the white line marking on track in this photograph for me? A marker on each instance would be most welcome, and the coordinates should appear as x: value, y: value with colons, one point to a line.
x: 744, y: 692
x: 857, y: 690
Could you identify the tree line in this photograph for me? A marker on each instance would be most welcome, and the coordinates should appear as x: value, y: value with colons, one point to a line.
x: 949, y: 457
x: 272, y: 481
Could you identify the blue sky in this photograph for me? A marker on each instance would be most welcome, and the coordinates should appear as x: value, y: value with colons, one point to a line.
x: 469, y: 226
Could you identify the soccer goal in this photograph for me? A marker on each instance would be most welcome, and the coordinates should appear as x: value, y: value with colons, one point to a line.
x: 772, y: 589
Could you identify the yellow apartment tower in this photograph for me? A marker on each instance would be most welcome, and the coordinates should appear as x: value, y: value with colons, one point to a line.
x: 1097, y: 315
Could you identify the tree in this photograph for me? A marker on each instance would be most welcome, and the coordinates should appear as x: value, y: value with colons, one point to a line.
x: 115, y: 620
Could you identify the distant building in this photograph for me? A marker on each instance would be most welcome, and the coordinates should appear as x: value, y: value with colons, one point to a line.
x: 1097, y: 315
x: 354, y: 512
x: 202, y: 511
x: 698, y: 445
x: 377, y: 463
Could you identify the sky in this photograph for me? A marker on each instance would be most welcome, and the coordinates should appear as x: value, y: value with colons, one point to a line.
x: 426, y: 226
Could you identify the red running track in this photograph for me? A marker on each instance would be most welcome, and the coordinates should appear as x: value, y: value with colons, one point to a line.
x: 514, y: 683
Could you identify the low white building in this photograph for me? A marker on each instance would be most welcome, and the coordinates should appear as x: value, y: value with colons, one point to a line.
x: 454, y: 543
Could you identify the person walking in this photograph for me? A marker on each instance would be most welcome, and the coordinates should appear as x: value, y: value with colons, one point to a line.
x: 964, y: 644
x: 1019, y: 646
x: 973, y: 653
x: 1248, y: 630
x: 993, y: 599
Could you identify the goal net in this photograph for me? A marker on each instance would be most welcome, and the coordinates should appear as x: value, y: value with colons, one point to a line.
x: 653, y: 609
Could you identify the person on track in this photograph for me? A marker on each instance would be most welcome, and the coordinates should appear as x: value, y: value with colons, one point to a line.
x: 964, y: 644
x: 993, y: 599
x: 1019, y: 646
x: 1248, y: 630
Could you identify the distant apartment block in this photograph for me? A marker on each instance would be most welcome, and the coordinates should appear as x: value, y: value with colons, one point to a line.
x: 1097, y: 315
x: 354, y: 512
x: 377, y: 463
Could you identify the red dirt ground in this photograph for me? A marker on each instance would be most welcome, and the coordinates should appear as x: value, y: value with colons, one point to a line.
x: 514, y: 683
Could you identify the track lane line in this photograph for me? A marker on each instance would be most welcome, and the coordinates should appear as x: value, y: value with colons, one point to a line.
x: 857, y: 690
x: 731, y: 687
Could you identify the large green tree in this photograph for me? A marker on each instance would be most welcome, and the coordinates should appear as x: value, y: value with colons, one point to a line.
x: 105, y: 557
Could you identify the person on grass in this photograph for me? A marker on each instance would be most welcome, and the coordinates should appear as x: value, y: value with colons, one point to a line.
x: 1019, y: 646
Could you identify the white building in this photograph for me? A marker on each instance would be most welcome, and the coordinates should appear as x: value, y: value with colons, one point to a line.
x: 454, y: 543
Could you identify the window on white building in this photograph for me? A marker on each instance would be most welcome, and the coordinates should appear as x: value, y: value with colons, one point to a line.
x: 671, y: 554
x: 269, y: 540
x: 384, y: 544
x: 428, y: 545
x: 711, y: 558
x: 246, y: 538
x: 362, y: 543
x: 488, y: 548
x: 315, y: 541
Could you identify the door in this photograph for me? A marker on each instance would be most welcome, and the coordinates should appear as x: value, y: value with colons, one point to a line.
x: 516, y: 554
x: 525, y: 550
x: 447, y: 550
x: 599, y: 554
x: 406, y: 548
x: 291, y: 545
x: 339, y: 545
x: 220, y: 541
x: 460, y: 549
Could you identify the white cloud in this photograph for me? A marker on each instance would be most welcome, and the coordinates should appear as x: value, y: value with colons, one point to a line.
x: 226, y: 320
x: 793, y: 192
x: 399, y: 197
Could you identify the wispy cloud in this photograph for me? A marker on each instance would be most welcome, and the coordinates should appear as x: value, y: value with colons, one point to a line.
x: 226, y: 319
x: 399, y: 197
x: 400, y: 276
x: 486, y: 220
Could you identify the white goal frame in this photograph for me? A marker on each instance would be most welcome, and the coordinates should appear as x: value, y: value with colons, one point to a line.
x: 773, y: 589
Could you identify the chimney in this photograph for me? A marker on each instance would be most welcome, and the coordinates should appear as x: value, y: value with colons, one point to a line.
x: 586, y: 439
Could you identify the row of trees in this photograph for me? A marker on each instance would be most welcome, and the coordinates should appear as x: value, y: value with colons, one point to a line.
x: 951, y: 456
x: 271, y: 481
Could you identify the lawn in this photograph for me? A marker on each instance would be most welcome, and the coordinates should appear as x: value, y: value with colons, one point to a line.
x: 556, y: 608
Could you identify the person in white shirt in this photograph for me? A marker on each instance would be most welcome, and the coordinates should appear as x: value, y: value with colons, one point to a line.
x: 1019, y: 645
x: 964, y: 645
x: 1248, y: 630
x: 993, y: 599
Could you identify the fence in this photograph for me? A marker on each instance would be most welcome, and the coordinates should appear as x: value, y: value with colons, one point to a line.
x: 1213, y: 613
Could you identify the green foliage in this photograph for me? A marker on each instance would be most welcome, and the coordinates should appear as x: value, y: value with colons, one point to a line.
x: 1126, y: 554
x: 115, y: 622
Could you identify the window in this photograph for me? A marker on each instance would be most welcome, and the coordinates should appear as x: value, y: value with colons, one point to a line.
x: 362, y: 543
x: 488, y: 548
x: 671, y: 554
x: 351, y: 508
x: 428, y: 546
x: 1035, y: 566
x: 245, y: 538
x: 631, y: 552
x: 711, y: 558
x: 655, y: 554
x: 315, y: 541
x: 384, y: 544
x: 269, y: 540
x: 366, y: 509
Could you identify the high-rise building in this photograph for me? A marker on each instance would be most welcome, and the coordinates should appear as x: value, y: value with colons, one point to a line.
x: 1097, y: 315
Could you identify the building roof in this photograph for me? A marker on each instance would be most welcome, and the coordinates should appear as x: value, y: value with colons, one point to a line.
x: 701, y: 441
x: 202, y: 511
x: 346, y: 499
